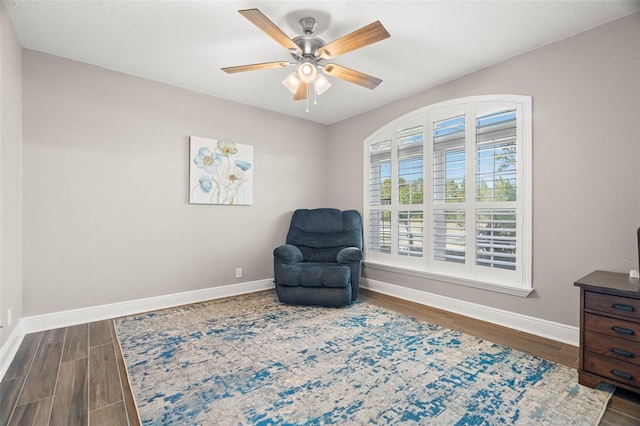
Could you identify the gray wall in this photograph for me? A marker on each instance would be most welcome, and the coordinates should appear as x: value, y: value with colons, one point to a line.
x: 10, y: 177
x: 106, y: 165
x: 586, y: 145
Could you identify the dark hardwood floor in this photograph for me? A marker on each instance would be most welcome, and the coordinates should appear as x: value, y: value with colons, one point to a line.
x: 68, y: 376
x: 75, y: 375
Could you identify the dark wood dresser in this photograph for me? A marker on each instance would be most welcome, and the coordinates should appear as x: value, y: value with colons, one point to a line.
x: 609, y: 330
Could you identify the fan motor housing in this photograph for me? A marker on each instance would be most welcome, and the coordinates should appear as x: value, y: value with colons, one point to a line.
x: 309, y: 45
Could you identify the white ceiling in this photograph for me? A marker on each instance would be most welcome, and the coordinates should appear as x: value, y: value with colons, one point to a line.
x: 185, y: 43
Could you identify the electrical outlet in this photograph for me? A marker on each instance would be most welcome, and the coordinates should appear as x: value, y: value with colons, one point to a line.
x: 9, y: 316
x: 238, y: 272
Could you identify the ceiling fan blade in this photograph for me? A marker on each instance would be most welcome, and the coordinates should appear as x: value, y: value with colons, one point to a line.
x: 301, y: 93
x: 255, y: 67
x: 366, y: 35
x: 352, y: 76
x: 272, y: 30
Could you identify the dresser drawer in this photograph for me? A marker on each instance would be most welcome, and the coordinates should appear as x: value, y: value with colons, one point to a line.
x: 612, y: 327
x: 612, y: 304
x: 619, y: 371
x: 612, y: 347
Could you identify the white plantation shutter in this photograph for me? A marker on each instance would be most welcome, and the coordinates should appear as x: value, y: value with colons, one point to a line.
x: 410, y: 233
x: 496, y: 152
x: 410, y: 165
x: 380, y: 231
x: 380, y: 173
x: 410, y: 191
x: 496, y: 238
x: 449, y: 192
x: 449, y: 235
x: 496, y: 185
x: 449, y: 160
x: 379, y: 194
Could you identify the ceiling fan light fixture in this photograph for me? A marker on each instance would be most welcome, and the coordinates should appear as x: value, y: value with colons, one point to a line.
x: 292, y: 82
x: 307, y: 71
x: 321, y: 84
x: 308, y: 50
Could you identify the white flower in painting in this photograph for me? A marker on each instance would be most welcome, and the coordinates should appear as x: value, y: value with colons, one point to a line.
x: 227, y: 148
x: 235, y: 180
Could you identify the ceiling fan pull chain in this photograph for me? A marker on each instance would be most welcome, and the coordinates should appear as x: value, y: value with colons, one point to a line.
x: 308, y: 88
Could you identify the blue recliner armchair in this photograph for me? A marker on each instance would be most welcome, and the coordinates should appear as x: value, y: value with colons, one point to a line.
x: 321, y: 261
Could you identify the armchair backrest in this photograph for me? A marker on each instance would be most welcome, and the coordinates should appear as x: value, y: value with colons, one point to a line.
x: 321, y: 233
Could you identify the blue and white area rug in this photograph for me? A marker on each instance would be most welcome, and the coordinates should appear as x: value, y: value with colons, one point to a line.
x: 252, y: 361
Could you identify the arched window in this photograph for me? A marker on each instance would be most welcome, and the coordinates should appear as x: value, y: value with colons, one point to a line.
x: 448, y: 193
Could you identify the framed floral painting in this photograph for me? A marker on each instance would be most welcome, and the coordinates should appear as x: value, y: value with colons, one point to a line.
x: 221, y: 172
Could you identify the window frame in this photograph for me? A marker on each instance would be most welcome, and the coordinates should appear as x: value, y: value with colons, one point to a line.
x: 516, y: 282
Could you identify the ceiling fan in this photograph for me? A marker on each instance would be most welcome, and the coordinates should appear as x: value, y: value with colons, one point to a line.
x: 310, y: 52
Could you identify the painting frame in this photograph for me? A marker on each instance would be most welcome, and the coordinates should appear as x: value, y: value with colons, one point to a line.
x: 220, y: 172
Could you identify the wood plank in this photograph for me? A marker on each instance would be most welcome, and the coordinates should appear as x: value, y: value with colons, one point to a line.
x: 9, y: 391
x: 44, y: 411
x: 41, y: 380
x: 113, y: 415
x: 572, y: 354
x: 52, y: 336
x: 71, y: 405
x: 616, y: 418
x: 104, y: 379
x: 34, y: 413
x: 24, y: 356
x: 76, y: 344
x: 626, y: 402
x: 100, y: 333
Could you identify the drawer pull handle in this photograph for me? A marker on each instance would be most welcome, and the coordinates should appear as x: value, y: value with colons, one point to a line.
x: 622, y: 330
x: 623, y: 353
x: 625, y: 308
x: 622, y: 374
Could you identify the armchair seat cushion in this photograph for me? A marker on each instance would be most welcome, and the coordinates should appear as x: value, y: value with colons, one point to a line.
x: 314, y: 274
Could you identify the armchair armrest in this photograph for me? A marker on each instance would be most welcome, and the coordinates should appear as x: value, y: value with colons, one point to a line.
x: 349, y: 255
x: 288, y: 254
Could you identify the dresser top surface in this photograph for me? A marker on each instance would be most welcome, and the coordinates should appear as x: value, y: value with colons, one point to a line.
x: 610, y: 282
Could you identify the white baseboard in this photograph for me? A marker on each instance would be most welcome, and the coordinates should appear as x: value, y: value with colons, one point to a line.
x: 10, y: 348
x: 537, y: 326
x: 54, y: 320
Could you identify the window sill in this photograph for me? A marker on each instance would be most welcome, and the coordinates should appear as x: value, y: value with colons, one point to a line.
x: 498, y: 288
